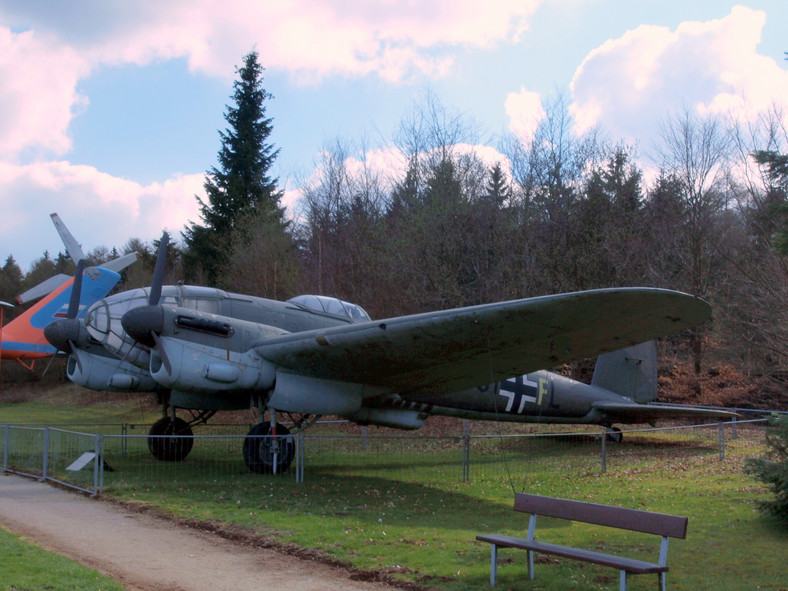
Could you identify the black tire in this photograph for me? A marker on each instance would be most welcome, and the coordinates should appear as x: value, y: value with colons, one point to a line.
x: 170, y: 449
x: 614, y: 434
x: 259, y: 449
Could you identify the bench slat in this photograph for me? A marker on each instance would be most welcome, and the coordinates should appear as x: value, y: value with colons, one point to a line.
x: 631, y: 519
x: 619, y: 562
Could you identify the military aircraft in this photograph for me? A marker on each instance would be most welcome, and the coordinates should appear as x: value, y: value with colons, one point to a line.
x: 23, y: 338
x: 205, y: 350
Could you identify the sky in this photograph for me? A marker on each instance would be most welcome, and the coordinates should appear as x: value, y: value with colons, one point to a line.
x: 110, y: 111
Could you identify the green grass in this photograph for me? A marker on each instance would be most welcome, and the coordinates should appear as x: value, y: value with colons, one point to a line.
x: 399, y: 506
x: 26, y: 566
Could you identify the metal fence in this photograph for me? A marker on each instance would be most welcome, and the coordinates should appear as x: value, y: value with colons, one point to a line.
x: 98, y: 456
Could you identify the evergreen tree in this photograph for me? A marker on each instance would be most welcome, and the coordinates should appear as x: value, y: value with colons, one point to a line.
x: 10, y: 282
x: 241, y: 183
x: 498, y: 191
x: 773, y: 469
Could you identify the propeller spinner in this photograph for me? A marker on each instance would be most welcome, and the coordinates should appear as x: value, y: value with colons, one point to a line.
x: 145, y: 323
x: 65, y: 332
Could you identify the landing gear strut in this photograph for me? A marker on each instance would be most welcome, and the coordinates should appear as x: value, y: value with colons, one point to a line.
x: 614, y: 434
x: 269, y: 450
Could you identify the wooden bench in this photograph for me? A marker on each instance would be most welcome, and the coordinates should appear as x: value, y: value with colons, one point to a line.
x: 667, y: 526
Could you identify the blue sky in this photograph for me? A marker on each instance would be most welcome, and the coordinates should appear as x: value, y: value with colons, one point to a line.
x: 110, y: 111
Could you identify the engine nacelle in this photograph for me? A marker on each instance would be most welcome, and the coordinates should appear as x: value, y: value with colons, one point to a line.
x: 110, y: 375
x: 389, y: 417
x: 204, y: 369
x: 302, y: 394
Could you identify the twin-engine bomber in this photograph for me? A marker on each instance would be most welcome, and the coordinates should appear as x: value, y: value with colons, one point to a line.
x: 206, y: 350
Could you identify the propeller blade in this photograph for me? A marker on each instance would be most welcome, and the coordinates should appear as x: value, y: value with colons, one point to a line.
x: 49, y: 364
x: 76, y: 290
x: 162, y: 353
x: 75, y: 353
x: 158, y: 271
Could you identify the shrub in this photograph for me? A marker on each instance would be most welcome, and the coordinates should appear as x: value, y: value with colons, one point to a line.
x: 772, y: 469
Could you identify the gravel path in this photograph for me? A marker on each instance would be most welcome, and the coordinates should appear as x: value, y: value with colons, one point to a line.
x: 148, y: 553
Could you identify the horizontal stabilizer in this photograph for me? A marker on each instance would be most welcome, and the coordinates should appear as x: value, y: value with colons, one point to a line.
x: 42, y: 289
x: 73, y: 247
x: 121, y: 263
x: 616, y: 412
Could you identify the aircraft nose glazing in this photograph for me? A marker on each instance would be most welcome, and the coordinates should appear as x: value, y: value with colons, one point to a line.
x: 139, y: 323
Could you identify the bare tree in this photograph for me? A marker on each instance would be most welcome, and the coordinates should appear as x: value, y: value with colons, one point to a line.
x: 695, y: 151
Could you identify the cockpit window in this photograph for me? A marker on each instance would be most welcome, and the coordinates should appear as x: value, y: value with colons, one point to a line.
x: 332, y: 306
x: 201, y: 304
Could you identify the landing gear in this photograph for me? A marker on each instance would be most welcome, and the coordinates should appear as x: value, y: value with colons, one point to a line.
x: 614, y: 434
x: 167, y: 448
x: 267, y: 450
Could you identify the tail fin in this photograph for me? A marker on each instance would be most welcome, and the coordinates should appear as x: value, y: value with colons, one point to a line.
x: 630, y: 372
x: 23, y: 337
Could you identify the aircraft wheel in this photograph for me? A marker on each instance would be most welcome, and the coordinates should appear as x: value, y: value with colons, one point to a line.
x: 170, y: 449
x: 260, y: 449
x: 614, y: 434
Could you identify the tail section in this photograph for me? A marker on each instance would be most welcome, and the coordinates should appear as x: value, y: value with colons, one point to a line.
x: 630, y: 372
x: 23, y: 337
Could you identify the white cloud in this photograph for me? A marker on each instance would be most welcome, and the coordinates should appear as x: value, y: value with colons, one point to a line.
x: 311, y: 37
x: 627, y: 84
x: 38, y: 95
x: 41, y: 67
x: 99, y: 209
x: 525, y: 112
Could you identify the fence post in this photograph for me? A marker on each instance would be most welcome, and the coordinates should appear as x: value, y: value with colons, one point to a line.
x: 466, y: 452
x: 604, y: 452
x: 734, y: 430
x: 300, y: 458
x: 97, y: 463
x: 46, y: 454
x: 721, y: 432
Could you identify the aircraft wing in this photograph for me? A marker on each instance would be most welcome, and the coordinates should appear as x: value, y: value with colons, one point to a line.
x: 452, y: 350
x: 647, y: 413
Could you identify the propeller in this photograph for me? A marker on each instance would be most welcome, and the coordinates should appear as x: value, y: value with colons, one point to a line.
x: 158, y: 270
x: 63, y: 333
x: 144, y: 323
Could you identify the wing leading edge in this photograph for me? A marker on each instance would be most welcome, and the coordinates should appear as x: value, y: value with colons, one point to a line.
x: 452, y: 350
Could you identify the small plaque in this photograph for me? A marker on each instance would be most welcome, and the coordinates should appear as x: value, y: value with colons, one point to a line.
x: 82, y: 461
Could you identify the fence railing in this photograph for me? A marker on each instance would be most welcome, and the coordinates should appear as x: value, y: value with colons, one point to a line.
x: 119, y: 455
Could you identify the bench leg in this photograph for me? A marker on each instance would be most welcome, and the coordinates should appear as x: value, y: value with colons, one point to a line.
x: 662, y: 584
x: 622, y: 581
x: 531, y: 564
x: 493, y: 564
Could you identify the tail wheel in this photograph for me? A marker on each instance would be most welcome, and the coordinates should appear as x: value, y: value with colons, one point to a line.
x: 166, y: 448
x: 264, y: 450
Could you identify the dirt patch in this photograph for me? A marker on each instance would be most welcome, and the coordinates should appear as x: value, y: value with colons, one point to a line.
x: 239, y: 535
x: 147, y: 552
